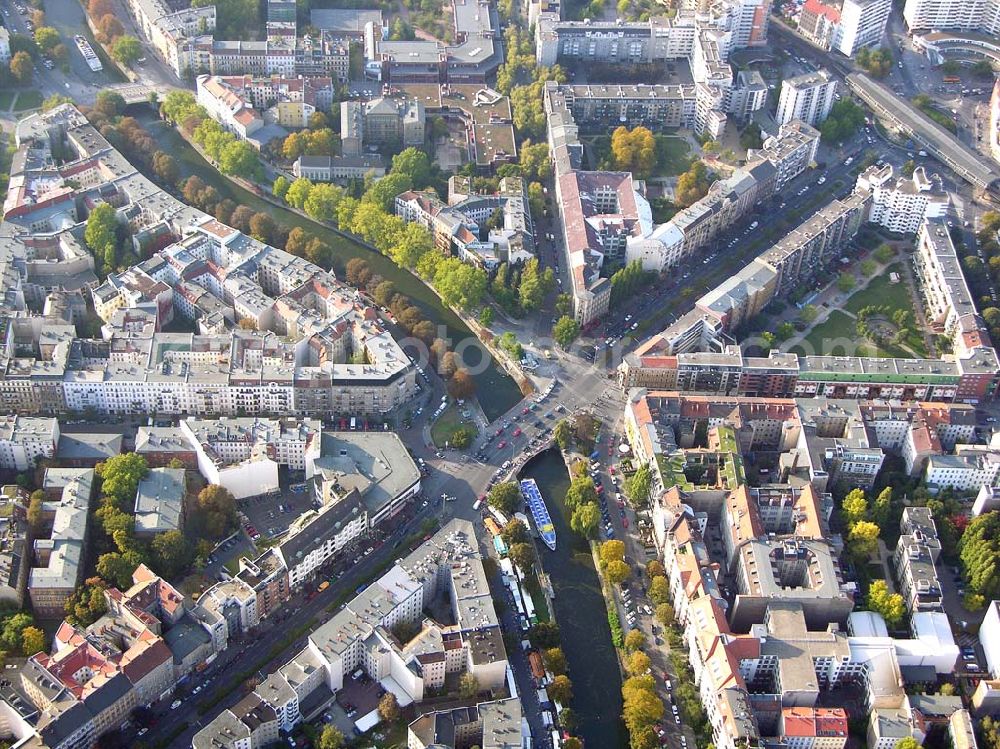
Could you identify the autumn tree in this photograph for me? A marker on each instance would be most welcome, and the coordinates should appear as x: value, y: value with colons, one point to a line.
x: 21, y: 67
x: 262, y: 227
x: 523, y: 555
x: 612, y: 551
x: 617, y: 572
x: 635, y: 640
x: 514, y: 532
x: 665, y: 614
x: 35, y: 510
x: 165, y: 167
x: 561, y: 689
x: 692, y: 186
x: 32, y: 641
x: 46, y: 38
x: 862, y: 540
x: 633, y: 150
x: 461, y: 385
x: 388, y: 708
x: 891, y: 606
x: 638, y: 663
x: 330, y: 738
x: 468, y: 685
x: 555, y: 661
x: 217, y: 508
x: 854, y: 508
x: 659, y: 590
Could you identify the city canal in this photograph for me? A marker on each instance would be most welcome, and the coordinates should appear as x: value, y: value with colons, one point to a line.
x: 496, y: 390
x: 581, y: 613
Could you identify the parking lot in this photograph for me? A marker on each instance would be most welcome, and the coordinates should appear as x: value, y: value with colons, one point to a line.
x: 238, y: 546
x: 271, y: 514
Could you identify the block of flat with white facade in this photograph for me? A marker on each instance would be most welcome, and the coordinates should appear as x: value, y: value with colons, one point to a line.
x: 807, y: 97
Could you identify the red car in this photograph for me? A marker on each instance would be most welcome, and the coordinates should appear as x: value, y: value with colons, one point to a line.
x: 499, y: 431
x: 502, y: 445
x: 624, y: 521
x: 517, y: 432
x: 612, y: 470
x: 526, y: 410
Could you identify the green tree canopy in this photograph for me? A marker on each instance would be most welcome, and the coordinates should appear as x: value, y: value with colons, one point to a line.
x: 126, y: 49
x: 505, y: 497
x: 586, y: 519
x: 890, y: 605
x: 565, y: 331
x: 120, y: 477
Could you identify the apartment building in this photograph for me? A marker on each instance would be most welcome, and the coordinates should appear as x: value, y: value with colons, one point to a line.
x: 989, y: 633
x: 24, y: 440
x: 245, y: 454
x: 496, y: 725
x: 179, y: 34
x: 963, y: 472
x: 819, y: 22
x: 945, y: 291
x: 4, y: 46
x: 808, y: 97
x: 605, y: 215
x: 159, y: 502
x: 307, y: 325
x: 482, y: 229
x: 14, y: 552
x: 380, y: 121
x: 903, y: 205
x: 447, y: 569
x: 762, y: 677
x: 914, y: 559
x: 982, y: 16
x: 243, y: 104
x: 339, y: 168
x: 58, y: 553
x: 96, y: 676
x: 862, y: 24
x: 814, y: 727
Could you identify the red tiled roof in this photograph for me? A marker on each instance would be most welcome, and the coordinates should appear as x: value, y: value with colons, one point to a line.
x: 821, y: 9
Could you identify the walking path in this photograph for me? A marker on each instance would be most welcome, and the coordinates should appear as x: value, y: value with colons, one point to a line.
x: 830, y: 299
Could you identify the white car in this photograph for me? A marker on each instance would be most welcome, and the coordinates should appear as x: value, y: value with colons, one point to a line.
x: 175, y: 704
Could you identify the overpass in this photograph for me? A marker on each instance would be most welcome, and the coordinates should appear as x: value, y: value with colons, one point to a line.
x: 137, y: 93
x: 901, y: 115
x: 939, y: 46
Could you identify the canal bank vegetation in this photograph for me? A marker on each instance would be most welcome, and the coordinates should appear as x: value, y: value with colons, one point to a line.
x: 137, y: 144
x: 364, y: 211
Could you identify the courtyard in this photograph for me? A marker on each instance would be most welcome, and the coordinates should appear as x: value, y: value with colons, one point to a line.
x: 880, y: 304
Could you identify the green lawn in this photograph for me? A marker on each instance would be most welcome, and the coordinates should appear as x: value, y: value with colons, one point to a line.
x: 28, y: 100
x: 838, y: 330
x: 537, y: 598
x: 838, y: 336
x: 673, y: 156
x: 881, y: 291
x: 451, y: 419
x: 6, y: 100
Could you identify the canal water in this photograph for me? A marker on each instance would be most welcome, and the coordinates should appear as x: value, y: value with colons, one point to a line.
x: 496, y: 390
x: 582, y: 615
